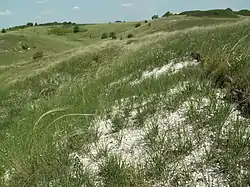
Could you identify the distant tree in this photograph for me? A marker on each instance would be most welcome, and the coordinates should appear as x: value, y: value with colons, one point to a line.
x: 155, y: 17
x: 118, y: 21
x: 76, y: 29
x: 229, y: 9
x: 29, y: 24
x: 145, y: 21
x: 3, y: 30
x: 36, y: 24
x: 167, y: 14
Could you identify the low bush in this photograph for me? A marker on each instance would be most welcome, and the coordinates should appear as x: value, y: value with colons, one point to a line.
x: 76, y: 29
x: 59, y: 31
x: 137, y: 25
x: 111, y: 34
x: 24, y: 46
x: 114, y: 37
x: 104, y: 36
x: 130, y: 35
x: 3, y: 31
x: 37, y: 55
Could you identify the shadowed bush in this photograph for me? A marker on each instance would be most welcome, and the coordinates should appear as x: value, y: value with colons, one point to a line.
x: 37, y: 55
x: 130, y: 35
x: 104, y: 36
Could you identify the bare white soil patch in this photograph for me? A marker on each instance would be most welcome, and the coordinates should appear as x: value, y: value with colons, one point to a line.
x: 170, y: 68
x: 173, y: 128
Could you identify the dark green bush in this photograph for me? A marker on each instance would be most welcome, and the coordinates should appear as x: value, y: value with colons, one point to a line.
x: 104, y: 36
x: 155, y: 17
x: 111, y: 34
x: 30, y: 24
x: 76, y: 29
x: 137, y: 25
x: 24, y: 46
x: 130, y: 35
x: 114, y: 37
x: 3, y: 31
x: 37, y: 55
x: 167, y: 14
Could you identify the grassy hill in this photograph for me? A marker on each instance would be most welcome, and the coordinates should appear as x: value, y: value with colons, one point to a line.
x: 218, y: 13
x: 140, y: 111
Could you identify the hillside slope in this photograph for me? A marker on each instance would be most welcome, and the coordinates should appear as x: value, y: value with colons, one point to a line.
x: 119, y: 113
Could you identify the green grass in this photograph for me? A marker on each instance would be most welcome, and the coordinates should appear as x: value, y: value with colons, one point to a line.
x: 211, y: 13
x: 175, y: 116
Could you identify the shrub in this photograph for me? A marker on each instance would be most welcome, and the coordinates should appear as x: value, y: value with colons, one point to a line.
x: 130, y: 35
x: 30, y: 24
x: 24, y: 46
x: 3, y: 31
x: 137, y: 25
x: 155, y: 17
x: 59, y: 31
x: 167, y: 14
x: 104, y: 36
x: 146, y: 21
x: 111, y: 34
x: 114, y: 37
x: 37, y: 55
x: 229, y: 9
x: 149, y: 24
x: 76, y: 29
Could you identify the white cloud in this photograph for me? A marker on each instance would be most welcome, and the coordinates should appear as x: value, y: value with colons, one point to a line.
x: 6, y: 13
x: 127, y: 5
x: 42, y: 1
x: 76, y: 8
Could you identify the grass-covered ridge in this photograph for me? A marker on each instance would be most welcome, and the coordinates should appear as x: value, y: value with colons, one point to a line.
x: 211, y: 13
x: 139, y: 113
x: 223, y: 13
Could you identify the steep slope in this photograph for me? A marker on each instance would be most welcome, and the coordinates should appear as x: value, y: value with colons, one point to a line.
x: 143, y: 112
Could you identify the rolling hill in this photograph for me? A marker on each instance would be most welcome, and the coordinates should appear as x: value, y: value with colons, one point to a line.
x: 168, y: 106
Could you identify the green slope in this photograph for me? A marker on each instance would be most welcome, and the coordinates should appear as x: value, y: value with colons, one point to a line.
x: 150, y: 94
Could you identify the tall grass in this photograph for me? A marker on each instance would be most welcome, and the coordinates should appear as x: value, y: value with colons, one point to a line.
x: 37, y: 137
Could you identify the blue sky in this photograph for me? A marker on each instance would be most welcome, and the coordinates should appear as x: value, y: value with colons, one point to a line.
x: 16, y: 12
